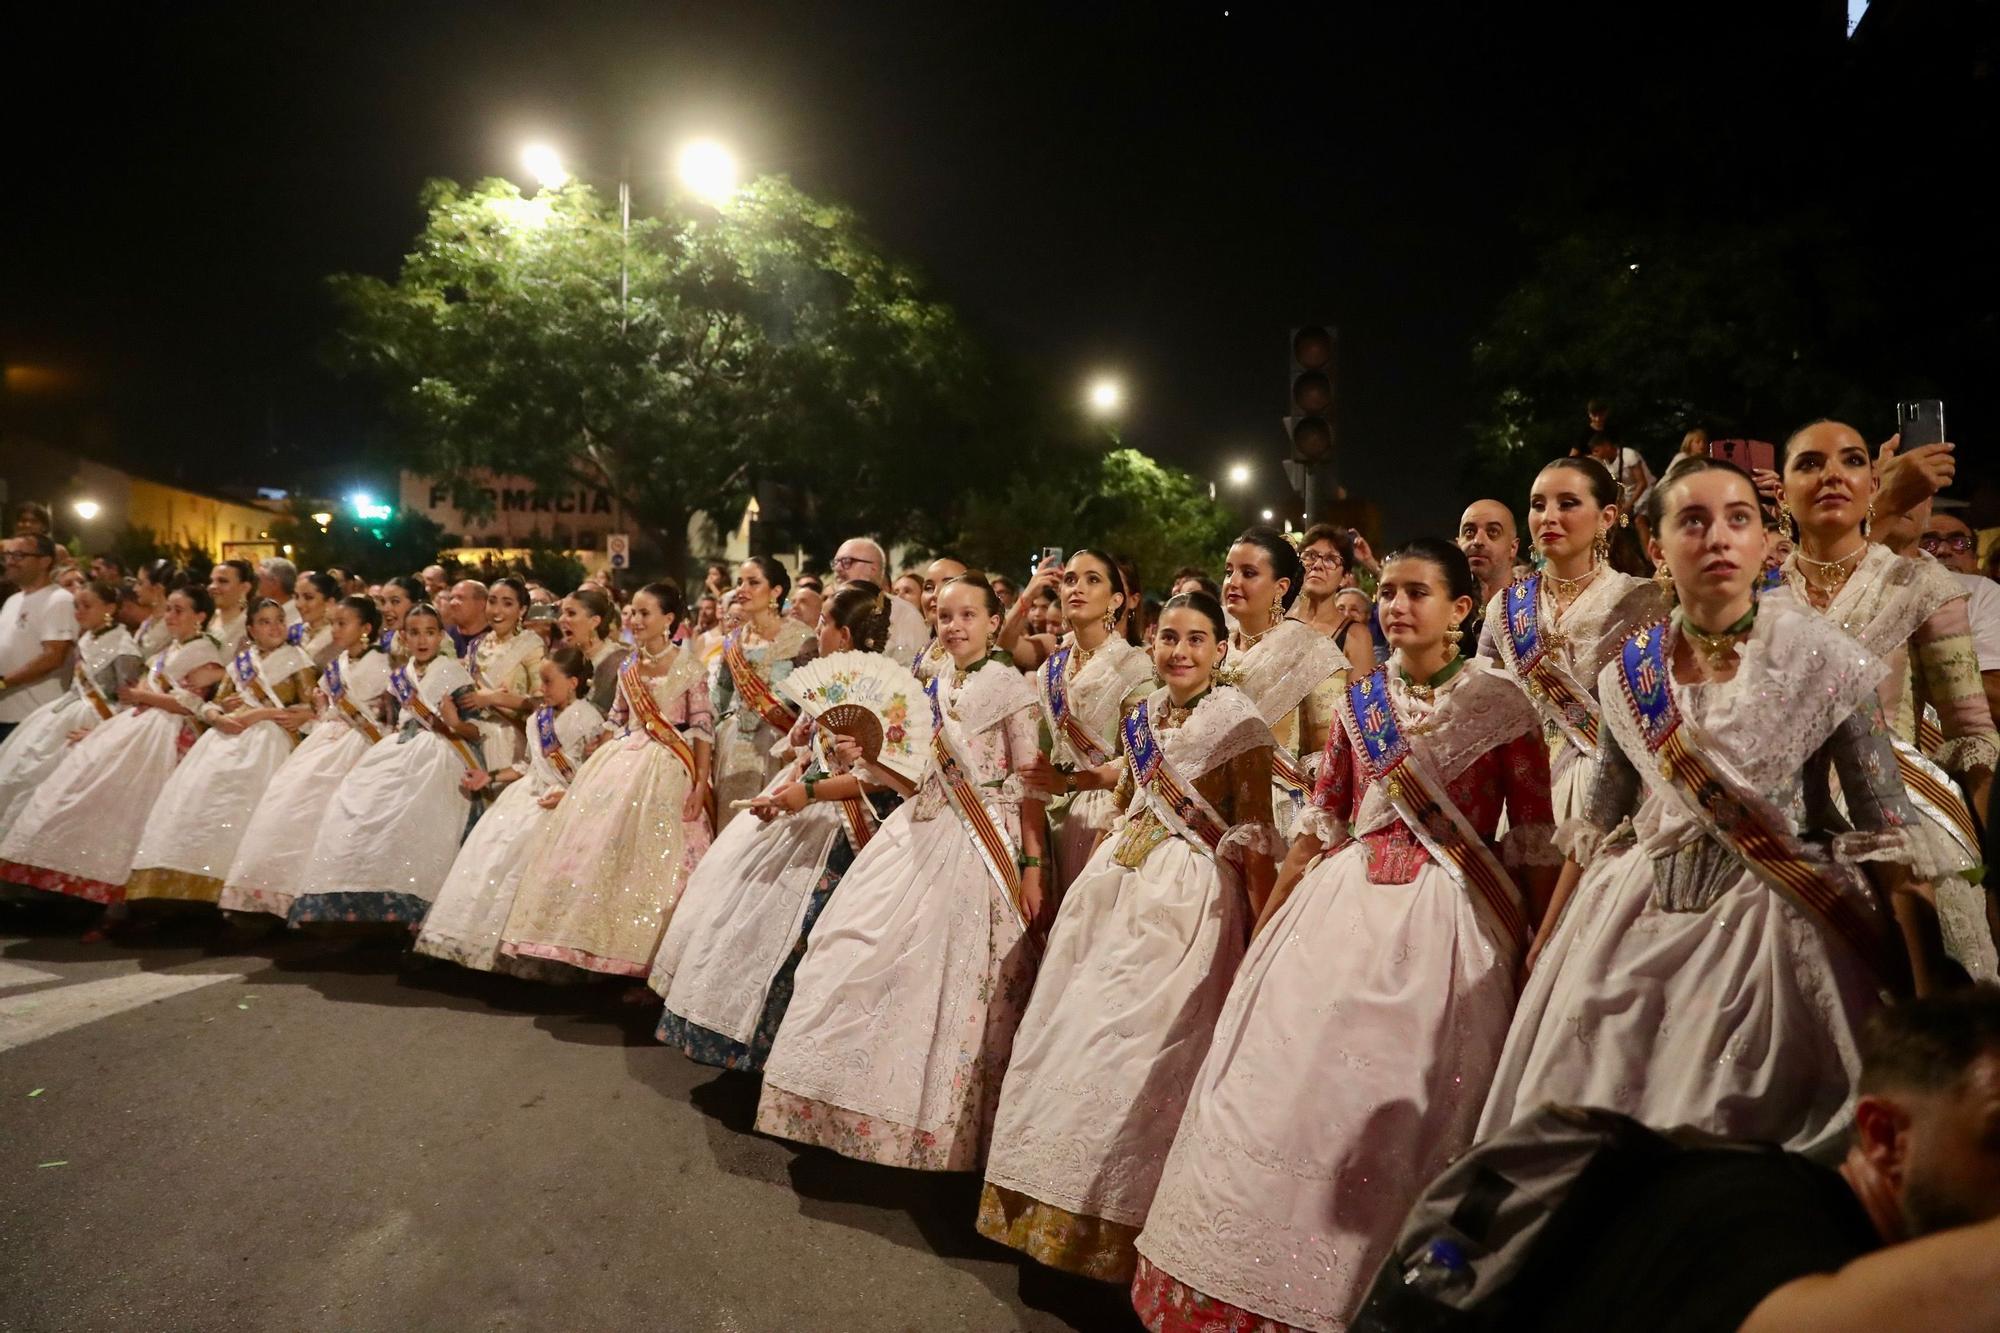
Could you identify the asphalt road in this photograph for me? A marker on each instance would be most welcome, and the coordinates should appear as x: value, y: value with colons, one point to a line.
x: 296, y: 1134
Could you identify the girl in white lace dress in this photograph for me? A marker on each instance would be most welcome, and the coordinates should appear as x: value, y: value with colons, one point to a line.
x: 1354, y: 1049
x: 107, y: 660
x: 906, y: 1002
x: 1554, y: 630
x: 353, y: 687
x: 1714, y: 970
x: 1142, y: 953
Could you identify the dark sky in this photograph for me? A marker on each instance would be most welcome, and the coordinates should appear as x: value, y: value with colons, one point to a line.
x: 1158, y: 190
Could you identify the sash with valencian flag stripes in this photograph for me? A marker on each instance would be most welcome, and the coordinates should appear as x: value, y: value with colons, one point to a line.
x: 1741, y: 820
x: 752, y: 688
x: 1054, y: 681
x: 1527, y: 654
x: 93, y: 696
x: 404, y: 686
x: 646, y: 711
x: 989, y: 835
x: 545, y: 732
x: 1421, y: 801
x: 1170, y: 796
x: 335, y: 681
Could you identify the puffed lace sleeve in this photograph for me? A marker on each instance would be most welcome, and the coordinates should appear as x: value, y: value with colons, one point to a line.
x: 1949, y: 665
x: 1531, y: 826
x: 1020, y: 734
x: 1251, y: 831
x: 1611, y: 798
x: 1330, y: 813
x: 1887, y: 827
x: 697, y: 713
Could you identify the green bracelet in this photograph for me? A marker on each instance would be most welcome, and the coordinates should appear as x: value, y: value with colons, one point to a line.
x: 1030, y: 862
x: 809, y: 788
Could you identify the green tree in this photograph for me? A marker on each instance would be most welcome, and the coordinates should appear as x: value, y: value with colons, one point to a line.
x: 768, y: 341
x: 401, y: 544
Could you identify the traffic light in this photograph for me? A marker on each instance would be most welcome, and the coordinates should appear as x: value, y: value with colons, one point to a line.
x: 1310, y: 424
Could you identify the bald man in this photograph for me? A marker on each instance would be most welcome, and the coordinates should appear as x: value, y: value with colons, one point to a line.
x: 465, y: 617
x: 1486, y: 534
x: 862, y: 559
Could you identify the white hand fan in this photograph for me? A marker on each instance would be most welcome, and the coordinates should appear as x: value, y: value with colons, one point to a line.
x: 872, y: 698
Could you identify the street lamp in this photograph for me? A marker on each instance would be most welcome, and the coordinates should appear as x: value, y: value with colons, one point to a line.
x: 1239, y: 474
x: 86, y: 509
x: 1105, y: 396
x: 545, y: 165
x: 709, y: 171
x: 1268, y: 515
x: 323, y: 518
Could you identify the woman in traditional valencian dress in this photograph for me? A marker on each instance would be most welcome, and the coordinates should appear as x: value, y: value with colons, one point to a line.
x: 906, y: 1003
x: 1142, y: 953
x: 316, y: 594
x: 107, y: 660
x: 505, y: 667
x: 1353, y: 1052
x: 154, y: 580
x: 393, y: 828
x: 728, y: 962
x: 1714, y: 973
x: 465, y: 922
x: 353, y: 708
x: 80, y: 828
x: 589, y: 623
x: 196, y: 826
x: 1291, y: 671
x: 603, y: 878
x: 752, y: 721
x: 1554, y: 630
x: 1911, y: 612
x: 1084, y: 682
x: 400, y: 595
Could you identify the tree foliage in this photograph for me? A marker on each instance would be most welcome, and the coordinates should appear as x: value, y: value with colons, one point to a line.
x: 401, y: 544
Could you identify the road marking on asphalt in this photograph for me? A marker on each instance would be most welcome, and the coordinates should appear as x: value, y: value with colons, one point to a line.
x: 31, y: 1017
x: 13, y: 974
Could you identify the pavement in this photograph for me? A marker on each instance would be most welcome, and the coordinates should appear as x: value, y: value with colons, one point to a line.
x: 208, y: 1133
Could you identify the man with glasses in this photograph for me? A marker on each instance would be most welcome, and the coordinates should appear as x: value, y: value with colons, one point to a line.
x: 862, y: 559
x: 37, y: 626
x: 1955, y: 545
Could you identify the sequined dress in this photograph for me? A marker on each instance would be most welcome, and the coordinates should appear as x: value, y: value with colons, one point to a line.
x: 199, y: 821
x: 389, y: 836
x: 80, y: 828
x: 464, y: 924
x: 605, y: 874
x: 744, y: 738
x: 1353, y: 1052
x: 915, y: 977
x: 277, y: 846
x: 1138, y: 964
x: 1679, y: 987
x: 108, y: 659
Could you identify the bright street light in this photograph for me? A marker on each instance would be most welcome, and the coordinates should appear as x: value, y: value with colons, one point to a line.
x: 545, y: 165
x: 85, y: 509
x: 708, y: 170
x: 1239, y: 474
x: 1105, y: 395
x: 1268, y: 516
x: 324, y: 519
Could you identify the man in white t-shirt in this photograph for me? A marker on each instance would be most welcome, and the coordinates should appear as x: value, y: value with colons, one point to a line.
x: 37, y: 626
x: 1949, y: 538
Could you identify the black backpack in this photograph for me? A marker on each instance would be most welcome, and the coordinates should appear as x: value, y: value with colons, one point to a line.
x: 1530, y: 1190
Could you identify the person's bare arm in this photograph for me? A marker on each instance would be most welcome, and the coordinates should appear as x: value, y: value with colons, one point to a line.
x: 41, y: 665
x: 1947, y: 1283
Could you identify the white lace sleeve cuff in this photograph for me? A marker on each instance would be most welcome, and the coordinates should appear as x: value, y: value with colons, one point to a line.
x: 1927, y: 853
x: 189, y: 700
x: 1962, y: 755
x: 1249, y: 839
x: 1329, y: 828
x: 1530, y: 845
x: 1580, y: 840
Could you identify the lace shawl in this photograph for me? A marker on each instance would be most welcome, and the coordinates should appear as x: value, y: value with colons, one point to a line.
x: 100, y: 652
x: 988, y: 695
x: 1097, y: 693
x: 1884, y: 600
x: 1281, y: 669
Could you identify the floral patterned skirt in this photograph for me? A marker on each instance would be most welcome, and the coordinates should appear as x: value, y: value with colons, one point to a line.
x: 1167, y: 1305
x: 1088, y: 1246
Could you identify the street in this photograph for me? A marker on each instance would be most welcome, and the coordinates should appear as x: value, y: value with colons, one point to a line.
x: 300, y: 1134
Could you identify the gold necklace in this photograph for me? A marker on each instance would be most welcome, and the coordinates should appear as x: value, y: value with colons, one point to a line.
x: 1245, y: 642
x: 1566, y: 589
x: 1715, y: 649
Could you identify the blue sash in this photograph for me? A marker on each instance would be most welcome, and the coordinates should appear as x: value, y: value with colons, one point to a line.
x: 1172, y: 798
x: 296, y: 635
x: 1557, y: 695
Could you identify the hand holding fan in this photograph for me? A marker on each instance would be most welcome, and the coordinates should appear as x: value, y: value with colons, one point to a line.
x: 872, y: 698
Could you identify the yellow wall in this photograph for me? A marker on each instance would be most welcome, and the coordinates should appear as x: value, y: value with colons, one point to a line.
x: 185, y: 516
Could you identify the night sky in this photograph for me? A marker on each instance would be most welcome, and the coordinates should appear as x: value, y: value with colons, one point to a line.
x: 1156, y: 190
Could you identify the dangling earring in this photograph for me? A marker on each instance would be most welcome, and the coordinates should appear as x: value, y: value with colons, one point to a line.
x: 1277, y: 608
x: 1785, y: 518
x: 1868, y: 519
x: 1663, y: 579
x: 1624, y: 520
x: 1451, y: 644
x: 1600, y: 550
x: 1110, y: 623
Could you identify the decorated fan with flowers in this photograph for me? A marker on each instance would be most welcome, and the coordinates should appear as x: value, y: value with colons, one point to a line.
x: 872, y: 698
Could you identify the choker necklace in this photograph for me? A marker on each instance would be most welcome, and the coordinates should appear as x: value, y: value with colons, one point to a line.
x: 1717, y: 648
x: 1245, y: 642
x: 648, y: 655
x: 1568, y: 587
x: 1839, y: 565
